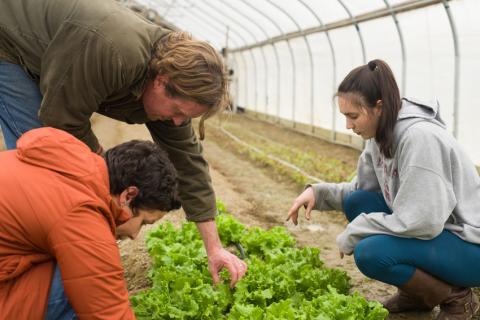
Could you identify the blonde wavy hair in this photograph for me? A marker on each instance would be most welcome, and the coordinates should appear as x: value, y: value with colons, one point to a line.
x: 196, y: 72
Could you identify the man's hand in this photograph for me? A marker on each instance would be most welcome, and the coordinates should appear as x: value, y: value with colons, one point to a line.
x: 218, y: 257
x: 306, y: 199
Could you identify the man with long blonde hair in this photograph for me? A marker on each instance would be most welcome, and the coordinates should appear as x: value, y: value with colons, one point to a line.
x: 61, y: 61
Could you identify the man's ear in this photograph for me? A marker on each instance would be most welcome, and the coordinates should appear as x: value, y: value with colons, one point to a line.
x: 132, y: 192
x: 161, y: 80
x: 128, y: 195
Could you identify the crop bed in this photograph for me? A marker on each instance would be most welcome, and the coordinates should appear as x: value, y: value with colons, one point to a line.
x: 283, y: 281
x: 315, y: 157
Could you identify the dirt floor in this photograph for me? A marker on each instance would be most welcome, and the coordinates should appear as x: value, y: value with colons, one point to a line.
x: 255, y: 194
x: 256, y: 197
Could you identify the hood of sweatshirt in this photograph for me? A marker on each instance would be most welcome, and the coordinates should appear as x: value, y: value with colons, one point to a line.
x: 58, y: 151
x: 61, y: 152
x: 414, y: 111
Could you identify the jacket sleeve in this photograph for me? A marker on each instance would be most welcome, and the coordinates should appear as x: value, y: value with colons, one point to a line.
x: 422, y: 205
x: 185, y: 152
x: 89, y: 261
x: 329, y: 196
x: 75, y: 78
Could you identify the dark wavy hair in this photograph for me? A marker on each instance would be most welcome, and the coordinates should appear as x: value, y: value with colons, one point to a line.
x: 369, y: 83
x: 145, y: 165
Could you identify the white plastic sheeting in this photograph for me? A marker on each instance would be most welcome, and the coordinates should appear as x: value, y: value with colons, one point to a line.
x: 286, y: 66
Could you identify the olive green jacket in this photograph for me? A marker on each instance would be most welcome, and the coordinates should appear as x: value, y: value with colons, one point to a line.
x: 91, y: 56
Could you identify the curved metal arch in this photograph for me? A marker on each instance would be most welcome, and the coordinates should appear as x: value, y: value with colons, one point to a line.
x: 275, y: 51
x: 310, y: 56
x: 209, y: 18
x: 226, y: 3
x: 288, y: 45
x: 235, y: 79
x: 399, y: 8
x: 456, y: 83
x: 357, y: 27
x: 402, y: 46
x: 334, y: 60
x: 251, y: 51
x: 235, y: 66
x: 209, y: 23
x: 362, y: 44
x: 212, y: 26
x: 215, y: 29
x: 234, y: 101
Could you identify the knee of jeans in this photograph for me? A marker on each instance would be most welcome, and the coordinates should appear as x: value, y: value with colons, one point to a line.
x: 353, y: 204
x: 369, y: 254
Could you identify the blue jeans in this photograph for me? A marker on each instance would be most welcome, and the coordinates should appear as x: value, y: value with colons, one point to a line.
x: 58, y: 306
x: 20, y: 100
x: 393, y: 260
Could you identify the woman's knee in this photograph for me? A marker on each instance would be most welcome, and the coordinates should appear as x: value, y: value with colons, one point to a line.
x: 370, y: 254
x: 362, y: 201
x: 354, y: 204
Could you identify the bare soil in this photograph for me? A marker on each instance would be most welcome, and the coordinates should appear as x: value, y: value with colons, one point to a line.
x: 255, y: 194
x: 256, y: 197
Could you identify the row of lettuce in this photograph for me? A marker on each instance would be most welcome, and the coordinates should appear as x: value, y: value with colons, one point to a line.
x: 282, y: 282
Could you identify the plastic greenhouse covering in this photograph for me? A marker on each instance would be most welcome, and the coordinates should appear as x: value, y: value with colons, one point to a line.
x: 288, y: 57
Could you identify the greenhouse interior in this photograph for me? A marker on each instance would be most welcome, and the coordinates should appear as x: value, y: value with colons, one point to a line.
x: 239, y: 159
x: 288, y: 57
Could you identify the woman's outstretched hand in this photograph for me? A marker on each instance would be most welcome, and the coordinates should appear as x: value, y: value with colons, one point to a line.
x: 305, y: 199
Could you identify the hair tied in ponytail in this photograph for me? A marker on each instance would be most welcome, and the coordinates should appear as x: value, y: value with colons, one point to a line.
x: 372, y: 65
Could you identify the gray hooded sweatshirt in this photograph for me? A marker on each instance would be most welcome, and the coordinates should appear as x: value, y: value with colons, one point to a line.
x: 430, y: 184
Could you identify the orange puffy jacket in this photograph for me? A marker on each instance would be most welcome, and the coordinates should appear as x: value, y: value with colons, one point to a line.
x: 55, y: 205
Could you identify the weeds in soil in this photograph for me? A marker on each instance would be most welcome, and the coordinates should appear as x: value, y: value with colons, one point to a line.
x: 326, y: 168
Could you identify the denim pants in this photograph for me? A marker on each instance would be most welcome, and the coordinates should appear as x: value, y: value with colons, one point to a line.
x: 58, y: 306
x: 393, y: 260
x: 20, y: 100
